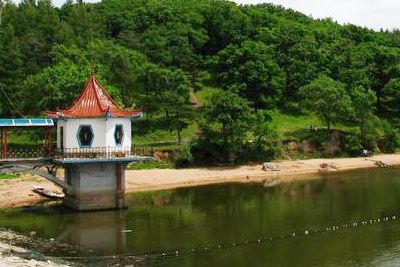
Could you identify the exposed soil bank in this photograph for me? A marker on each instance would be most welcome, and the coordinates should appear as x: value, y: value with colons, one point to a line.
x: 17, y: 192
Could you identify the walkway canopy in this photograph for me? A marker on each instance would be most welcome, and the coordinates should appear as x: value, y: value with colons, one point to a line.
x: 14, y: 123
x: 9, y: 124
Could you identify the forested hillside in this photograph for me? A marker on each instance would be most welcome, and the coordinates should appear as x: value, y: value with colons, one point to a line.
x: 211, y: 72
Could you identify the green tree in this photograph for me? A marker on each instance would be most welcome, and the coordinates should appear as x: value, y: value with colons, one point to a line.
x: 266, y: 146
x: 364, y: 103
x: 10, y: 69
x: 123, y: 67
x: 250, y: 70
x: 225, y: 24
x: 181, y: 116
x: 168, y: 32
x: 390, y: 100
x: 84, y: 20
x: 38, y: 24
x: 57, y: 86
x: 328, y: 99
x: 166, y: 91
x: 227, y: 121
x: 10, y: 57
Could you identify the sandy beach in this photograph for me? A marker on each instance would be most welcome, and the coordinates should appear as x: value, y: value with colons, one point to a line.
x: 18, y: 192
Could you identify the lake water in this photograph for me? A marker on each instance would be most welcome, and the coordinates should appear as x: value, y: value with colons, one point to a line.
x: 348, y: 219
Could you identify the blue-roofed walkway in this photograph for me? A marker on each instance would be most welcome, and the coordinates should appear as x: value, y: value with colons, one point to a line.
x: 7, y: 124
x: 11, y: 123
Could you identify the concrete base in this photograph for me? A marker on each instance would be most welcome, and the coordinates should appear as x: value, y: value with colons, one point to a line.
x: 95, y: 186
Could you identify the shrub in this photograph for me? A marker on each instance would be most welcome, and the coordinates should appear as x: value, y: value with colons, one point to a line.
x: 390, y: 140
x: 265, y: 147
x: 352, y: 144
x: 184, y: 157
x: 207, y: 151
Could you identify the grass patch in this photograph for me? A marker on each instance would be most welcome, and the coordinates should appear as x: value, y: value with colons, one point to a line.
x: 6, y: 176
x: 297, y: 126
x: 286, y: 124
x: 156, y: 130
x: 28, y: 137
x: 204, y: 94
x: 148, y: 165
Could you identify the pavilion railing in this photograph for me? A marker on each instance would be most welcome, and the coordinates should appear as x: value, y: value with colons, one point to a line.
x: 74, y: 153
x: 101, y: 152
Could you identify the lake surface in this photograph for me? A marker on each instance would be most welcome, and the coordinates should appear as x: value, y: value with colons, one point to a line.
x: 348, y: 219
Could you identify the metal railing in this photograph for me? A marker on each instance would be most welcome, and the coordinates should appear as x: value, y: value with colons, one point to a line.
x: 142, y: 150
x: 25, y: 153
x: 100, y: 152
x: 92, y: 153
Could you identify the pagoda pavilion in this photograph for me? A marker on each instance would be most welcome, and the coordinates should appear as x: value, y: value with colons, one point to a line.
x: 94, y: 147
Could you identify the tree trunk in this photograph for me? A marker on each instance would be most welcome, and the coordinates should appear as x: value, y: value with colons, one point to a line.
x: 178, y: 131
x: 362, y: 131
x: 224, y: 134
x: 167, y: 117
x: 328, y: 128
x: 225, y: 143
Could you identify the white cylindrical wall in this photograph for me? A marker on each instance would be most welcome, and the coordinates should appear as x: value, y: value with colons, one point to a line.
x: 111, y: 125
x: 103, y: 130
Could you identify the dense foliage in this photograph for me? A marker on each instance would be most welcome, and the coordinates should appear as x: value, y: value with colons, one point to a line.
x: 158, y: 54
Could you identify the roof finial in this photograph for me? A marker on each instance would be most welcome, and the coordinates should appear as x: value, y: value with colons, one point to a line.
x: 93, y: 70
x: 108, y: 113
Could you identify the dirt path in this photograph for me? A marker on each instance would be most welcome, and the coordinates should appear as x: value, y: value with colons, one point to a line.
x: 17, y: 192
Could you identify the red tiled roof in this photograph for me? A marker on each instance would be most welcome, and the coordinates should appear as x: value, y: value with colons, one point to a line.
x: 93, y: 102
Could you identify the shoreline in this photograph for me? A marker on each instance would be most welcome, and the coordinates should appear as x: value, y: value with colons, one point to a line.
x: 291, y: 170
x: 13, y: 254
x: 17, y: 192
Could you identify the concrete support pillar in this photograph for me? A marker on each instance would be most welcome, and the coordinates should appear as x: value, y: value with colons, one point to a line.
x: 95, y: 186
x: 120, y: 188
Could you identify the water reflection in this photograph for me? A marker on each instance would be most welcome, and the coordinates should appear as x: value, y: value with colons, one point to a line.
x: 206, y: 217
x: 101, y: 232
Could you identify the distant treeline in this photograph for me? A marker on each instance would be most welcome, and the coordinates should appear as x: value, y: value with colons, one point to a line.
x: 155, y: 54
